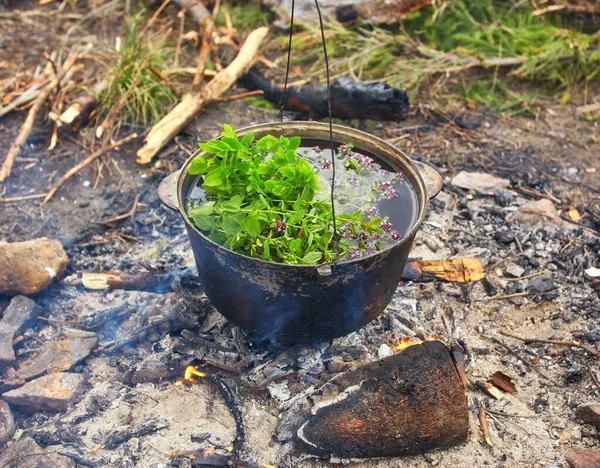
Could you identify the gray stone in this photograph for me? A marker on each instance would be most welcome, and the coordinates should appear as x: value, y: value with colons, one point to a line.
x: 539, y: 213
x: 384, y: 351
x: 514, y: 270
x: 21, y: 314
x: 481, y: 182
x: 52, y: 392
x: 541, y: 284
x: 7, y: 354
x: 154, y: 368
x: 57, y: 356
x: 7, y: 423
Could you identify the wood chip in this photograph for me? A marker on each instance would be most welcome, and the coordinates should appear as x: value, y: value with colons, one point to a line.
x: 504, y: 382
x: 461, y: 270
x: 574, y: 214
x: 490, y: 389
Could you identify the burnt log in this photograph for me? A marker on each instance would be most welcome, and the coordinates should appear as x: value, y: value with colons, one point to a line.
x: 349, y: 99
x: 406, y: 404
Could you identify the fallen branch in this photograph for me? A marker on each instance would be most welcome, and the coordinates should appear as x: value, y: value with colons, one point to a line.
x: 349, y: 99
x: 458, y: 270
x: 209, y: 27
x: 193, y: 102
x: 21, y: 198
x: 149, y: 282
x: 129, y: 214
x: 571, y: 343
x: 83, y: 104
x: 29, y: 95
x: 33, y: 113
x: 85, y: 162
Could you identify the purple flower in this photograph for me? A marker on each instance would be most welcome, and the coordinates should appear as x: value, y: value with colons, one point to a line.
x: 326, y: 164
x: 279, y: 226
x: 364, y: 161
x: 346, y: 225
x: 387, y: 189
x: 344, y: 149
x: 354, y: 182
x: 317, y: 149
x: 382, y: 172
x: 342, y: 199
x: 386, y: 226
x: 347, y: 235
x: 373, y: 211
x: 363, y: 236
x: 370, y: 249
x: 395, y: 236
x: 353, y: 254
x: 377, y: 236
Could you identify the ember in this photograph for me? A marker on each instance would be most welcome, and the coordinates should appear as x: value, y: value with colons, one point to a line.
x: 407, y: 341
x: 189, y: 374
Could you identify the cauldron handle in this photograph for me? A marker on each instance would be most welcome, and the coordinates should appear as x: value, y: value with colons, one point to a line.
x: 433, y: 180
x: 167, y: 191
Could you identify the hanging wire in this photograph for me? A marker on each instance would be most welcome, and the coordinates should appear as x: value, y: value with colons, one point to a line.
x: 281, y: 106
x: 287, y: 69
x: 335, y: 232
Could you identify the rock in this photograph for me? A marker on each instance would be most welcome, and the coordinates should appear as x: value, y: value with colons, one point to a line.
x: 21, y: 314
x: 481, y: 182
x: 583, y: 458
x: 10, y: 381
x: 541, y: 284
x: 52, y: 392
x: 575, y: 373
x: 279, y: 390
x: 505, y: 237
x: 514, y: 270
x: 29, y: 267
x: 384, y: 351
x: 27, y: 454
x: 154, y: 368
x: 101, y: 397
x: 7, y: 423
x: 7, y: 354
x: 57, y: 356
x: 590, y: 413
x: 539, y: 213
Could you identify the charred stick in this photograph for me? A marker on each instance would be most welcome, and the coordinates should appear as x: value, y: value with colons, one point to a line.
x: 81, y: 460
x: 349, y: 99
x: 118, y: 437
x: 205, y: 47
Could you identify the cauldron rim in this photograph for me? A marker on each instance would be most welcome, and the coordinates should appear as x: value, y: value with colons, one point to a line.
x: 377, y: 145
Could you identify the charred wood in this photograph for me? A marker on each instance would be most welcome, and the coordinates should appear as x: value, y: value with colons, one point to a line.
x: 349, y: 99
x: 118, y: 437
x: 406, y: 404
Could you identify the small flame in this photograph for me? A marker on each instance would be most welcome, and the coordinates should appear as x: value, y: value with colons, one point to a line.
x: 189, y: 374
x: 408, y: 341
x: 265, y: 465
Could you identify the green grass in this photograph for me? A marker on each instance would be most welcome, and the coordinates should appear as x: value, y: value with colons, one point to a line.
x: 135, y: 89
x: 436, y: 41
x: 247, y: 15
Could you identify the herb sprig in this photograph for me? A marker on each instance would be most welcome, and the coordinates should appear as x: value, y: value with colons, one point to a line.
x: 261, y: 202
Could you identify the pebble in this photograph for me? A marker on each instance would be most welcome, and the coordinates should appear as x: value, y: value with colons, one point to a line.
x: 384, y: 351
x: 52, y: 392
x: 514, y: 270
x: 30, y: 267
x: 541, y: 284
x: 575, y: 373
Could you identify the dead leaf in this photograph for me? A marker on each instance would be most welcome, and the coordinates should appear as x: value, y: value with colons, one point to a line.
x: 574, y: 214
x: 503, y: 382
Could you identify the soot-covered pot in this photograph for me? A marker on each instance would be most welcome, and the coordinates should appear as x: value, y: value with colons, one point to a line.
x: 295, y: 303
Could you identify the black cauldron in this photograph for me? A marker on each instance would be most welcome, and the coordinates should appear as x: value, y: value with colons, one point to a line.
x: 299, y: 303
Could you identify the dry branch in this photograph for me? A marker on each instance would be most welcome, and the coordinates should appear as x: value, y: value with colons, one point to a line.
x: 83, y: 104
x: 193, y: 102
x: 85, y: 162
x: 209, y: 27
x: 33, y: 113
x: 194, y: 8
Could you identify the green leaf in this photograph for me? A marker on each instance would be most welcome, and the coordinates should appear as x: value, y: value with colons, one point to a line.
x: 252, y: 226
x: 248, y: 139
x: 201, y: 210
x: 203, y: 222
x: 294, y: 143
x: 199, y: 165
x: 230, y: 226
x: 287, y: 171
x: 296, y: 245
x: 228, y: 131
x: 214, y: 179
x: 311, y: 257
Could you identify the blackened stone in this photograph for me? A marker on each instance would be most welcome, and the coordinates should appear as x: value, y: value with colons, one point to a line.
x: 502, y: 197
x: 7, y: 354
x: 575, y: 374
x: 541, y: 284
x: 505, y: 237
